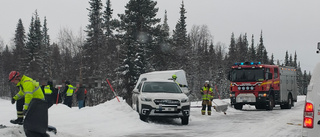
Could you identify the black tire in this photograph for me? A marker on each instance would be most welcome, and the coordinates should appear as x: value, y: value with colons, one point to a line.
x: 238, y: 106
x: 184, y: 120
x: 270, y: 103
x: 143, y: 118
x: 137, y: 106
x: 290, y: 101
x: 288, y: 104
x: 260, y: 106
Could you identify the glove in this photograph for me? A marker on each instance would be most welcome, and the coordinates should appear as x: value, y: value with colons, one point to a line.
x: 13, y: 101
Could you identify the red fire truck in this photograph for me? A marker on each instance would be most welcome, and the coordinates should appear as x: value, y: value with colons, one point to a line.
x: 262, y: 85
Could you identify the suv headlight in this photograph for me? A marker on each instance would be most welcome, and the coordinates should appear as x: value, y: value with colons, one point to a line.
x: 184, y: 100
x: 146, y: 99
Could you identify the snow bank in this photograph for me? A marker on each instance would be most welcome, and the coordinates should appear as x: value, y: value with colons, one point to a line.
x: 111, y: 118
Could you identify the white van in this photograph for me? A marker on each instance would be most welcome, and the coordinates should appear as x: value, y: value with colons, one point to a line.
x: 157, y: 95
x: 167, y: 75
x: 311, y: 115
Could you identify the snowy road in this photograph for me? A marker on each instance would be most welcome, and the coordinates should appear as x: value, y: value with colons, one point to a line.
x: 114, y: 119
x: 246, y: 123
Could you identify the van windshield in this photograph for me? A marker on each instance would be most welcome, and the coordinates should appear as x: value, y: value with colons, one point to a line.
x: 247, y: 74
x: 161, y: 87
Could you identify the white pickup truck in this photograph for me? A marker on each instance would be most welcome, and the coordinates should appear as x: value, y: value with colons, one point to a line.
x: 311, y: 113
x: 156, y: 96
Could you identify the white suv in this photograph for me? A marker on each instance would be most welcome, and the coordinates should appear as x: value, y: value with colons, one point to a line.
x: 311, y: 115
x: 160, y: 98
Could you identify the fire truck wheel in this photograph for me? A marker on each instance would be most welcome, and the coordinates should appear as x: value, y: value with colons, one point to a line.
x: 270, y: 103
x: 238, y: 106
x: 259, y: 106
x: 288, y: 104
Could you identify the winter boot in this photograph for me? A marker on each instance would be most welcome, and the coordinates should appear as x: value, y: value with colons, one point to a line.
x: 17, y: 121
x: 209, y: 113
x: 203, y: 112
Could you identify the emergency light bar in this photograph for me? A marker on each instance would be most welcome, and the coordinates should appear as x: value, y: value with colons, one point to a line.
x: 247, y: 63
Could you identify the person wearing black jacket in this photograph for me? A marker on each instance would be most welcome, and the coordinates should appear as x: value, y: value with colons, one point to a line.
x: 80, y: 95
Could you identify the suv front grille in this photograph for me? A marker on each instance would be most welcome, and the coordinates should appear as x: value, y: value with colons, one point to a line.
x: 167, y: 102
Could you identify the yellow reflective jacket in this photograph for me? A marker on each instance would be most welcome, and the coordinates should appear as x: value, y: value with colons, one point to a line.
x: 29, y: 89
x: 70, y: 90
x: 47, y: 90
x: 207, y: 93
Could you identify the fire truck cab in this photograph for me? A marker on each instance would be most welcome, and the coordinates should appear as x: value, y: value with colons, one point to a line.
x: 262, y: 85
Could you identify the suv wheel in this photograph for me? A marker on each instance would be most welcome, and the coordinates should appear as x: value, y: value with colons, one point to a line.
x: 137, y: 106
x: 184, y: 120
x: 143, y: 118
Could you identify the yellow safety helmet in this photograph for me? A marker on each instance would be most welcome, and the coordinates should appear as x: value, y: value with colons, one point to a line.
x: 174, y: 76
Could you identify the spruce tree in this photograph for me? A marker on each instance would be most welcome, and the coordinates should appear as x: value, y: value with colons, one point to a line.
x: 252, y: 51
x: 272, y: 59
x: 164, y: 52
x: 138, y: 41
x: 232, y: 50
x: 180, y: 41
x: 107, y: 16
x: 19, y: 50
x: 95, y: 40
x: 295, y: 60
x: 290, y: 61
x: 34, y: 47
x: 46, y: 52
x: 286, y: 59
x: 265, y: 57
x: 260, y: 50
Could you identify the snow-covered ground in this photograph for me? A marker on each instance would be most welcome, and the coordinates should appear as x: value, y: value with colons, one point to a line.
x: 114, y: 119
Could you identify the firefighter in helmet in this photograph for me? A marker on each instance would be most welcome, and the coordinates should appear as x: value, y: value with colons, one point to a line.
x: 35, y: 114
x: 174, y: 77
x: 207, y: 96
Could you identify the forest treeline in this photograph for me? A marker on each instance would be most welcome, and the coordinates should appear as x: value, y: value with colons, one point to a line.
x: 122, y: 48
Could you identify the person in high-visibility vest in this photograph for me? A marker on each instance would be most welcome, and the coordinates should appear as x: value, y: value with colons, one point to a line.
x: 68, y: 91
x: 207, y: 96
x: 35, y: 114
x: 174, y: 77
x: 48, y: 93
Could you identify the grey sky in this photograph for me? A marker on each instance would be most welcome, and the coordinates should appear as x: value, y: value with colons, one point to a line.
x: 292, y: 25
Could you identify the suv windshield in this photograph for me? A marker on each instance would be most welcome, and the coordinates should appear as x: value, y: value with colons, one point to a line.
x: 247, y: 74
x: 164, y: 87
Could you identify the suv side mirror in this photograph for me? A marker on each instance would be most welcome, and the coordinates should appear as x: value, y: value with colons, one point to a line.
x: 136, y: 91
